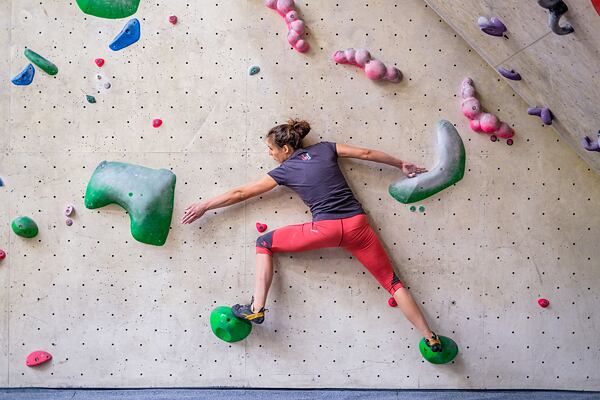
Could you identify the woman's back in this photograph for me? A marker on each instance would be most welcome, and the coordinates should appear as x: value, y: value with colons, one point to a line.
x: 313, y: 172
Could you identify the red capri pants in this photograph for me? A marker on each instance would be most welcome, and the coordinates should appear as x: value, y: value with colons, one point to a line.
x: 353, y: 234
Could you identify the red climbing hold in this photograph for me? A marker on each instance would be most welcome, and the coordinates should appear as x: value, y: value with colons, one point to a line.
x: 261, y: 227
x: 156, y: 122
x: 99, y: 62
x: 38, y: 357
x: 173, y: 19
x: 596, y: 4
x: 543, y: 303
x: 392, y: 302
x: 2, y: 255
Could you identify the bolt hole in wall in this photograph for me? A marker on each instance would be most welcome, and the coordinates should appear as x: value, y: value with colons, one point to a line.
x: 185, y: 99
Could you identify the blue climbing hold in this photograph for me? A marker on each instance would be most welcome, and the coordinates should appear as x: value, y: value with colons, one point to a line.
x: 25, y: 77
x: 128, y: 36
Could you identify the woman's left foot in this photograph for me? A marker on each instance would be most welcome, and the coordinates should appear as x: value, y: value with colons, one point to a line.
x: 434, y: 343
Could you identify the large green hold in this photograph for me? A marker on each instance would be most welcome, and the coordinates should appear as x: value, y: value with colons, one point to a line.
x: 449, y: 351
x: 227, y: 326
x: 24, y: 227
x: 147, y: 195
x: 449, y: 169
x: 45, y: 65
x: 111, y: 9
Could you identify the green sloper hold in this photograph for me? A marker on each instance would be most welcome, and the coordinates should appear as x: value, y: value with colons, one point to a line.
x: 449, y: 351
x: 24, y: 227
x: 449, y: 169
x: 42, y: 63
x: 227, y: 326
x: 111, y: 9
x: 147, y: 195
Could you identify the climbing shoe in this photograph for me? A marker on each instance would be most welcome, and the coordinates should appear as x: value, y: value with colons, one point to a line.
x: 435, y: 344
x: 245, y: 312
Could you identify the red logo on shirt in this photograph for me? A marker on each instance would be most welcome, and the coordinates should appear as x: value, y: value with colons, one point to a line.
x: 305, y: 156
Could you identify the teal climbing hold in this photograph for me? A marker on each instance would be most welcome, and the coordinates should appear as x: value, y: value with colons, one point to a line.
x: 449, y: 169
x: 24, y: 77
x: 448, y: 353
x: 90, y: 99
x: 24, y: 227
x: 413, y: 208
x: 147, y: 194
x: 253, y: 70
x: 128, y: 35
x: 421, y: 208
x: 111, y: 9
x: 227, y: 326
x: 47, y: 66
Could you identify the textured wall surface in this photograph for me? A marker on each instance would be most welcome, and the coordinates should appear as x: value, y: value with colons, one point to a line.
x: 559, y: 71
x: 523, y: 223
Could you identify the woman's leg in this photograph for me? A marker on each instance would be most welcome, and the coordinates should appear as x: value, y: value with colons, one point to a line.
x: 292, y: 238
x: 263, y: 279
x: 360, y: 240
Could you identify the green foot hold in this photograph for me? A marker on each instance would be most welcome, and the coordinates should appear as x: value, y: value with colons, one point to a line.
x: 111, y: 9
x: 227, y: 326
x: 42, y: 63
x: 449, y: 351
x: 25, y: 227
x: 90, y: 99
x: 147, y: 195
x: 449, y: 169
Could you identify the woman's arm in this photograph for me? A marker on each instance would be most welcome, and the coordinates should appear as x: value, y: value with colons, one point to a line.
x: 409, y: 169
x: 233, y: 196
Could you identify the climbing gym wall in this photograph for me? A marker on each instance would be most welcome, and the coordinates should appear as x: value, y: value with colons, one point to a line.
x: 522, y: 224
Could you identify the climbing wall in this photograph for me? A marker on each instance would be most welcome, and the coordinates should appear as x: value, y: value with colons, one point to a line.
x: 522, y: 224
x: 558, y: 71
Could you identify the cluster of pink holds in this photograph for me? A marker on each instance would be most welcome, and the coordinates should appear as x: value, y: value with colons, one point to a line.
x: 374, y: 69
x: 481, y: 121
x: 295, y: 25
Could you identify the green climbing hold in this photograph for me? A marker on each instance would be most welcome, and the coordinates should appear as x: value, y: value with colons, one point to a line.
x: 111, y: 9
x: 227, y: 326
x: 147, y: 194
x: 25, y: 227
x: 421, y: 208
x: 90, y: 99
x: 449, y: 351
x: 42, y: 63
x: 449, y: 169
x: 413, y: 208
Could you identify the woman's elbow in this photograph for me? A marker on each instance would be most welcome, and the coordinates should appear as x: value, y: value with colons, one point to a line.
x: 366, y: 154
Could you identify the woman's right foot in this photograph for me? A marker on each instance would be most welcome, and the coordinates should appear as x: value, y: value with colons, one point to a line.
x: 245, y: 312
x: 434, y: 343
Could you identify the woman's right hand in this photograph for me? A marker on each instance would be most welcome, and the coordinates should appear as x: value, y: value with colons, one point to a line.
x: 193, y: 212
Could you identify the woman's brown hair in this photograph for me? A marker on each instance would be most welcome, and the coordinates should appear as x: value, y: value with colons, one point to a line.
x: 291, y: 133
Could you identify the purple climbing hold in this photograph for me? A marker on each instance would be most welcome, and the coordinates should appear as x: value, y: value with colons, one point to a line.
x: 509, y: 142
x: 509, y: 74
x: 543, y: 112
x: 591, y: 145
x: 492, y: 26
x: 69, y: 222
x: 69, y: 210
x: 493, y: 138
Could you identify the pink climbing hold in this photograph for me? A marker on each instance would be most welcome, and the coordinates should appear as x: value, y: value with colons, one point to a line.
x: 374, y: 69
x: 38, y: 357
x: 392, y: 302
x: 173, y: 19
x: 156, y: 122
x: 99, y: 62
x: 2, y: 254
x: 543, y: 303
x: 261, y: 227
x: 480, y: 121
x: 294, y: 24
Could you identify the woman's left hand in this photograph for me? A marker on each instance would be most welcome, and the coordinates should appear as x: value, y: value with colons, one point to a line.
x: 411, y: 170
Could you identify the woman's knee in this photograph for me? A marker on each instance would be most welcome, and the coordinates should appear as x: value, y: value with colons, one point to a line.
x: 264, y: 243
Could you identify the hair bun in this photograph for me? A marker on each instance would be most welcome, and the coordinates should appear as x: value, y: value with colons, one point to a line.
x: 301, y: 127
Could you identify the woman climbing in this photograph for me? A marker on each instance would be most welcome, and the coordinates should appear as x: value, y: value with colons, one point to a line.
x: 338, y: 218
